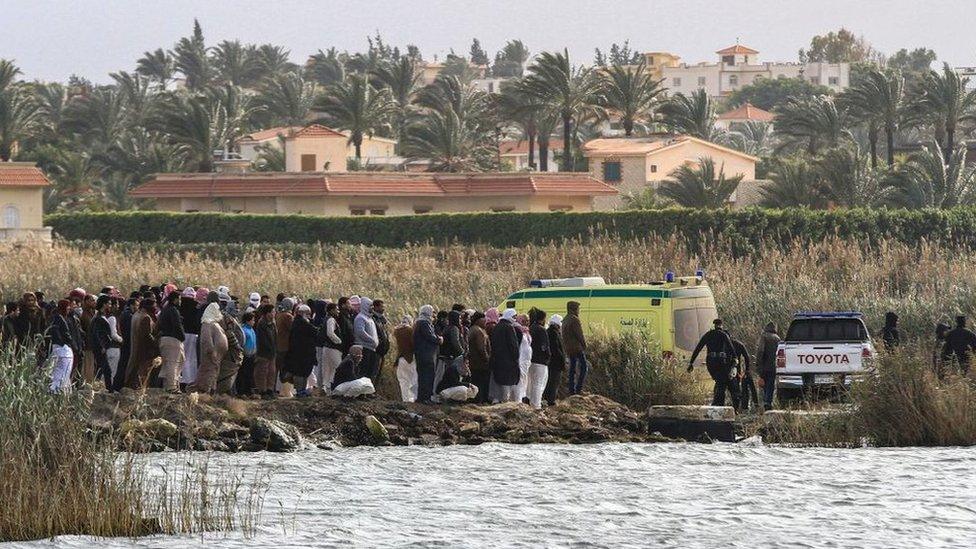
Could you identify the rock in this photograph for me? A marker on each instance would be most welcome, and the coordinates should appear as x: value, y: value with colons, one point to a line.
x: 572, y: 421
x: 275, y: 436
x: 376, y: 429
x: 157, y: 428
x: 232, y: 430
x: 329, y: 445
x: 713, y: 413
x: 469, y: 428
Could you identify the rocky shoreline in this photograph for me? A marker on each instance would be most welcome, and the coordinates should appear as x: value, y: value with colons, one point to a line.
x: 154, y: 421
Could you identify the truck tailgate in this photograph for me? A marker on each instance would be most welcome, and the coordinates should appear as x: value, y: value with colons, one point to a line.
x: 822, y: 358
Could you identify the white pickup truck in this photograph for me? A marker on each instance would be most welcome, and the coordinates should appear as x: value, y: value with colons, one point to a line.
x: 828, y: 348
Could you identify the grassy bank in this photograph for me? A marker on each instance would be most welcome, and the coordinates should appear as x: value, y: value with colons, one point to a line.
x: 58, y: 477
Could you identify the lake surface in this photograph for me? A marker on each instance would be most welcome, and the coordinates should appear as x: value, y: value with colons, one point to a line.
x: 608, y: 495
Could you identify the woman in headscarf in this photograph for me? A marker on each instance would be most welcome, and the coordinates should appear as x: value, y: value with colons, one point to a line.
x: 426, y: 344
x: 491, y: 319
x: 191, y: 334
x: 61, y: 348
x: 557, y: 359
x: 452, y: 348
x: 504, y: 360
x: 406, y: 367
x: 301, y: 350
x: 253, y: 302
x: 213, y: 347
x: 283, y: 322
x: 525, y: 354
x: 539, y: 367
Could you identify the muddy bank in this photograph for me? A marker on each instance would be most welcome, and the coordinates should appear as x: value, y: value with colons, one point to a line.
x: 155, y: 421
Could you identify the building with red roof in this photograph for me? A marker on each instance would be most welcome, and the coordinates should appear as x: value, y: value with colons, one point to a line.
x: 314, y: 147
x: 22, y: 187
x: 742, y: 114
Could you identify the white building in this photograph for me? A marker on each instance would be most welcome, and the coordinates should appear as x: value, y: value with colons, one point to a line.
x: 739, y: 66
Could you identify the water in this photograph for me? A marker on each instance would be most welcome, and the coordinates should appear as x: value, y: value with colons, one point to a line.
x: 610, y: 495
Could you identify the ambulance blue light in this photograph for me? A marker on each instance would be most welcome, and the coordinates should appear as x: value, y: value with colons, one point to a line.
x: 700, y: 273
x: 669, y: 276
x: 535, y: 283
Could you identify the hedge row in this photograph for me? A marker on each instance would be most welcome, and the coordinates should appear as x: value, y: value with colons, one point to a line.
x: 744, y: 228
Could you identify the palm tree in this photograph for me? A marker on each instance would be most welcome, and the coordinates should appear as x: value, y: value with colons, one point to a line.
x: 692, y: 115
x: 944, y: 97
x: 192, y: 60
x: 272, y: 61
x: 753, y: 137
x: 815, y: 122
x: 135, y: 91
x: 569, y: 90
x: 325, y: 68
x: 20, y: 115
x: 523, y: 110
x: 928, y: 181
x: 235, y: 63
x: 157, y: 66
x: 847, y: 180
x: 271, y: 157
x: 52, y: 101
x: 450, y: 142
x: 99, y: 117
x: 631, y: 93
x: 646, y: 199
x: 700, y: 186
x: 74, y: 175
x: 877, y: 99
x: 450, y: 93
x: 401, y: 77
x: 793, y: 184
x: 356, y: 106
x: 287, y: 99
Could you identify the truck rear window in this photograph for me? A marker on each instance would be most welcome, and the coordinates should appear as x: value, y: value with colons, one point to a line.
x: 827, y: 329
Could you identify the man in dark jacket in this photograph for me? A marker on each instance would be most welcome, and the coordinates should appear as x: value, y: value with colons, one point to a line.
x: 557, y: 359
x: 301, y: 350
x: 960, y: 342
x: 100, y: 340
x: 746, y: 385
x: 574, y: 345
x: 125, y: 330
x: 889, y: 334
x: 265, y: 375
x: 479, y: 351
x: 504, y: 360
x: 171, y: 338
x: 347, y: 318
x: 383, y: 334
x: 426, y: 344
x: 718, y: 359
x: 766, y: 363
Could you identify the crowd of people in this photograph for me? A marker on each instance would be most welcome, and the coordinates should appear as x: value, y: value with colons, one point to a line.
x: 198, y: 340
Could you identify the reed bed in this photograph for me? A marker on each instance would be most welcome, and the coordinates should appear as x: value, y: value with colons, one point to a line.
x: 57, y: 476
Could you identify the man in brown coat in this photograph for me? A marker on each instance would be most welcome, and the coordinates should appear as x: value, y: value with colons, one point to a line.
x: 479, y: 350
x: 144, y: 346
x: 283, y: 322
x: 574, y: 345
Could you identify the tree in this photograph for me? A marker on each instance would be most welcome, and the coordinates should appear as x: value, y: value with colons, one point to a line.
x: 815, y: 123
x: 325, y: 68
x: 569, y: 90
x: 451, y: 143
x: 752, y: 137
x: 510, y: 61
x: 401, y: 77
x: 847, y: 180
x: 645, y: 199
x: 52, y: 101
x: 877, y: 100
x: 838, y: 47
x: 20, y: 115
x: 192, y: 60
x: 699, y: 186
x: 356, y: 106
x: 944, y: 97
x: 618, y: 55
x: 235, y: 63
x: 157, y: 66
x: 927, y: 180
x: 692, y: 115
x: 74, y: 174
x: 793, y: 184
x: 478, y: 56
x: 271, y: 158
x: 99, y: 117
x: 287, y: 99
x: 523, y: 110
x: 770, y: 93
x: 271, y: 62
x: 912, y: 63
x: 631, y: 94
x: 458, y: 67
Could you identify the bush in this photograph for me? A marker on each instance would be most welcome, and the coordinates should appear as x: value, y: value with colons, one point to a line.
x: 744, y: 229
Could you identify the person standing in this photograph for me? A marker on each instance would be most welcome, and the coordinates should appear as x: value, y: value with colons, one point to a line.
x: 171, y: 338
x: 234, y: 357
x: 766, y: 363
x: 10, y: 334
x: 265, y: 373
x: 574, y: 345
x: 426, y: 344
x: 283, y: 322
x: 960, y: 342
x: 366, y: 337
x: 479, y: 352
x: 62, y: 348
x: 190, y: 313
x: 539, y: 367
x: 406, y: 367
x: 747, y: 385
x: 125, y: 330
x: 382, y: 335
x: 100, y: 340
x: 346, y: 320
x: 504, y: 359
x: 332, y: 347
x: 718, y: 359
x: 87, y: 314
x: 213, y: 347
x: 144, y: 346
x: 244, y: 386
x: 890, y: 335
x: 301, y: 350
x: 451, y: 348
x: 557, y: 359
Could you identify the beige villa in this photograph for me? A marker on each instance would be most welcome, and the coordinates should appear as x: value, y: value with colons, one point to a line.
x: 315, y: 148
x: 633, y: 164
x: 361, y: 193
x: 22, y: 187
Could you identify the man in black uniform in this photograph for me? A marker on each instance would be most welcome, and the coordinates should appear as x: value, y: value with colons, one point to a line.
x: 746, y: 385
x: 961, y: 342
x: 718, y: 359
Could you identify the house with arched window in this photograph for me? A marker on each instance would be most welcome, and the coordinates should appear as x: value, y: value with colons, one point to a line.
x: 22, y: 187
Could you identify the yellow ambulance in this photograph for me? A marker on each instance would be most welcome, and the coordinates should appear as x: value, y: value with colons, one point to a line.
x: 672, y: 313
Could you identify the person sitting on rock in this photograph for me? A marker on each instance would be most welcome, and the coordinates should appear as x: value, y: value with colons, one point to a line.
x: 349, y: 380
x: 453, y: 386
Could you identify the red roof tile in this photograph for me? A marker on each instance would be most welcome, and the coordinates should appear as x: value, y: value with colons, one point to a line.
x: 22, y: 174
x: 369, y: 184
x: 748, y: 112
x: 521, y: 146
x: 313, y: 130
x: 737, y: 49
x: 318, y: 130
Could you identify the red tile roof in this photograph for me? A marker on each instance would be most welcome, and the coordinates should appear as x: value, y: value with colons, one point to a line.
x: 22, y: 174
x: 748, y: 112
x: 737, y: 49
x: 521, y: 146
x: 318, y: 130
x: 313, y: 130
x: 369, y: 184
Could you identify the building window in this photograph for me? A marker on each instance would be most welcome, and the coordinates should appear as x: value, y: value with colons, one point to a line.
x: 11, y: 217
x: 377, y: 211
x: 560, y: 208
x: 650, y: 60
x: 503, y: 209
x: 611, y: 172
x: 676, y: 82
x: 815, y: 80
x: 653, y: 168
x: 357, y: 211
x: 192, y: 211
x: 702, y: 81
x: 833, y: 80
x: 733, y: 80
x: 308, y: 162
x: 491, y: 87
x: 422, y: 209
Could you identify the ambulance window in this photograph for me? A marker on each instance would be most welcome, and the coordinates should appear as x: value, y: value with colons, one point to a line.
x: 655, y: 302
x: 509, y: 304
x: 686, y: 330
